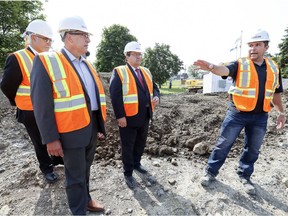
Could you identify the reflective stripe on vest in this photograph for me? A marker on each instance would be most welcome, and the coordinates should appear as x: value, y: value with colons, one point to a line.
x: 248, y: 93
x: 275, y: 70
x: 245, y: 92
x: 57, y: 72
x: 69, y: 104
x: 124, y: 75
x: 269, y: 94
x: 25, y: 61
x: 245, y: 75
x: 100, y: 90
x: 23, y: 90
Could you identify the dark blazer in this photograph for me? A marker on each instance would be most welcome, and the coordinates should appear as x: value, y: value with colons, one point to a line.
x: 43, y: 103
x: 143, y: 99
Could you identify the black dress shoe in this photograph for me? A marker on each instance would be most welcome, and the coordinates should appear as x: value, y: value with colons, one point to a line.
x: 141, y: 169
x: 130, y: 181
x: 51, y: 177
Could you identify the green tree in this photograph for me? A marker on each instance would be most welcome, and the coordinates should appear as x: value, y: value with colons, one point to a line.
x: 110, y: 50
x: 193, y: 71
x: 162, y: 63
x: 282, y: 57
x: 14, y: 18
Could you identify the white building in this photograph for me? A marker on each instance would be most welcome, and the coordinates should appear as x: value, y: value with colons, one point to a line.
x: 213, y: 83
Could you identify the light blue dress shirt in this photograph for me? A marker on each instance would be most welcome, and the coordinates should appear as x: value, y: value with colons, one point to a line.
x: 86, y: 77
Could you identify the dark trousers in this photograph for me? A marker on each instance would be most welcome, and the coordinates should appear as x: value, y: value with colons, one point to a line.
x: 77, y: 172
x: 133, y: 141
x: 45, y: 161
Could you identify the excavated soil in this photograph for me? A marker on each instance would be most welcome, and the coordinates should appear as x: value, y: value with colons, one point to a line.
x: 184, y: 130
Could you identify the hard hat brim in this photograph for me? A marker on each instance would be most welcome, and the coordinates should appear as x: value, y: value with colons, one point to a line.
x: 70, y: 30
x: 252, y: 41
x: 138, y: 51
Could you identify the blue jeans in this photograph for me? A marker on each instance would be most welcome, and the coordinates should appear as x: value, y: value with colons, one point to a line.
x: 255, y: 125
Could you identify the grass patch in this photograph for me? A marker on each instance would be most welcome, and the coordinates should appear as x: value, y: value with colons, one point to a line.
x: 177, y: 87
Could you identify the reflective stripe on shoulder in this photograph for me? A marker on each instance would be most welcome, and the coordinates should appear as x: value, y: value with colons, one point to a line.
x: 26, y: 61
x: 55, y: 66
x: 275, y: 70
x: 245, y: 73
x: 58, y: 75
x: 125, y: 77
x: 147, y: 71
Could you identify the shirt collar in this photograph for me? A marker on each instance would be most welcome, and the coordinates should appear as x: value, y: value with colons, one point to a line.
x: 33, y: 50
x: 72, y: 57
x: 135, y: 68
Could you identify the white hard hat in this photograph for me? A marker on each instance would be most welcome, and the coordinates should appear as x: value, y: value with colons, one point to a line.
x: 260, y: 35
x: 39, y: 27
x: 72, y: 23
x: 132, y: 47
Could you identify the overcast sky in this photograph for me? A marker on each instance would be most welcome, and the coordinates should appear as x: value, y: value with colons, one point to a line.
x: 194, y: 29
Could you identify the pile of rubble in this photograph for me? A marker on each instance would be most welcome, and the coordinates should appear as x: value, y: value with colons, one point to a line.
x: 184, y: 124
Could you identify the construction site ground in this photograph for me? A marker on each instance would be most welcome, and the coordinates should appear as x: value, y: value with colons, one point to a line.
x: 181, y: 122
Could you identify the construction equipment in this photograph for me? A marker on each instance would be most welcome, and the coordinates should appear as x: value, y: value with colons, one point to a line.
x: 194, y: 85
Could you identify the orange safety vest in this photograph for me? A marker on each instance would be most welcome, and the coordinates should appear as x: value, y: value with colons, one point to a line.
x: 129, y: 88
x: 70, y: 108
x: 246, y: 89
x: 25, y: 61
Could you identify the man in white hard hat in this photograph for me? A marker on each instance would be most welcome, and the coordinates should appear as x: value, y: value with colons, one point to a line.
x: 16, y: 86
x: 70, y: 110
x: 256, y: 85
x: 134, y: 96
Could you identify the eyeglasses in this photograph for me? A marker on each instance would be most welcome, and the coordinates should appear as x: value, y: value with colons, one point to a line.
x: 137, y: 55
x: 85, y: 35
x: 47, y: 40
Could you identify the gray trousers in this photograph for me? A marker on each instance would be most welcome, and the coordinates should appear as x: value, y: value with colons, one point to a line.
x: 77, y: 172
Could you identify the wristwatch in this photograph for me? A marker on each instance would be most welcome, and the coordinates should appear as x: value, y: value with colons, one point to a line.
x: 211, y: 67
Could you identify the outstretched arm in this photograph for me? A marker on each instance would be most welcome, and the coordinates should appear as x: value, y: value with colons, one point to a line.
x: 219, y: 70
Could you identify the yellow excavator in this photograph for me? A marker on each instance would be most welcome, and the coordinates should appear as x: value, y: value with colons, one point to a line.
x: 194, y: 85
